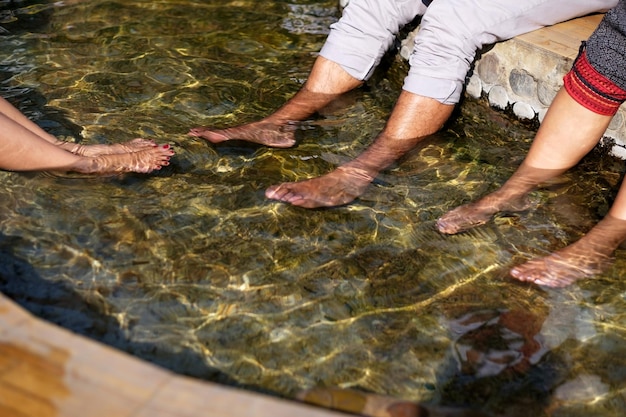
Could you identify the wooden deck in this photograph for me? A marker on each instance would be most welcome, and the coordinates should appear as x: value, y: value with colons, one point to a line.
x: 46, y: 371
x: 563, y: 39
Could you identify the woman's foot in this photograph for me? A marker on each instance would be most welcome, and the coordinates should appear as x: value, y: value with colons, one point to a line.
x: 134, y: 145
x: 142, y: 161
x: 479, y: 212
x: 562, y: 268
x: 589, y: 256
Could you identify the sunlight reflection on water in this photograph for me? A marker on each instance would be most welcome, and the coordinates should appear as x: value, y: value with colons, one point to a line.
x: 204, y: 275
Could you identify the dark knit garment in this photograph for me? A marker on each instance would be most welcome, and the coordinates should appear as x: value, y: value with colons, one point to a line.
x: 606, y: 48
x: 598, y: 78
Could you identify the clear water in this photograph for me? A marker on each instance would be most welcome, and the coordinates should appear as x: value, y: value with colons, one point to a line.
x: 192, y: 268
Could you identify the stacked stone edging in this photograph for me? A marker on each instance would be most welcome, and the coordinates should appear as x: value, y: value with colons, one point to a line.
x: 525, y: 78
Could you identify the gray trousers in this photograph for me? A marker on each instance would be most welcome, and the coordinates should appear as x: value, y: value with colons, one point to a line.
x: 451, y: 32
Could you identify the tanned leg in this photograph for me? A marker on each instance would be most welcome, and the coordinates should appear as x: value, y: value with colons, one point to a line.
x: 559, y: 145
x: 413, y: 118
x: 326, y: 82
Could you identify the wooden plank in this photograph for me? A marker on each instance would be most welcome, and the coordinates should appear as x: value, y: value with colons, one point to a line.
x: 563, y: 38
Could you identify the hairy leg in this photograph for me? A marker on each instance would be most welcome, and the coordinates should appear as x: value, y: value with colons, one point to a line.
x: 326, y: 82
x: 558, y: 146
x: 413, y: 118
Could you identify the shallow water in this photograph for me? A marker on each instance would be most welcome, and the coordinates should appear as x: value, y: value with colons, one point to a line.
x: 194, y: 269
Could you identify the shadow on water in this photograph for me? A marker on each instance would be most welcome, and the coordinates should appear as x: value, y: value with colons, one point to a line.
x: 23, y: 16
x: 83, y: 314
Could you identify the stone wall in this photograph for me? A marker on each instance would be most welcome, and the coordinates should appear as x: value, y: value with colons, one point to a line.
x: 525, y: 78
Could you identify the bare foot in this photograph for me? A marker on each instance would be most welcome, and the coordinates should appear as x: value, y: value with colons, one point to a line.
x: 134, y: 145
x: 276, y: 135
x: 562, y: 268
x: 479, y: 212
x: 142, y: 161
x: 589, y: 256
x: 336, y: 188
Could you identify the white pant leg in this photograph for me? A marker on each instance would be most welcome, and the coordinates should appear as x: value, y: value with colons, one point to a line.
x: 452, y: 31
x: 366, y: 31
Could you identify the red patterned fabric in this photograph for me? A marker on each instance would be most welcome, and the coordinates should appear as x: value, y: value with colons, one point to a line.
x: 591, y: 89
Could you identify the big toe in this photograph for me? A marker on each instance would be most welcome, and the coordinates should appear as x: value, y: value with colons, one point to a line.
x: 444, y: 227
x: 275, y: 192
x: 197, y: 131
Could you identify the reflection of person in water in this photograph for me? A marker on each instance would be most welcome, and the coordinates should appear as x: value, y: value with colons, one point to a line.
x: 494, y: 352
x: 451, y: 31
x: 513, y: 332
x: 593, y: 91
x: 24, y: 146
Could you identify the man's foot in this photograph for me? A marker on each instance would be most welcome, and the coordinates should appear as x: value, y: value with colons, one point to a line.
x: 280, y: 135
x: 564, y: 267
x: 141, y: 161
x: 336, y: 188
x: 134, y: 145
x: 479, y: 212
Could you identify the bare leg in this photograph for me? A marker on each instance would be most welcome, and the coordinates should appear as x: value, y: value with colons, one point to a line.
x: 23, y: 150
x: 326, y: 82
x: 18, y: 117
x: 558, y: 146
x: 413, y: 118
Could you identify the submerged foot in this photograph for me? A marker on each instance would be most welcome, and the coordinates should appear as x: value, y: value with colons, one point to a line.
x: 478, y: 213
x: 337, y: 188
x: 134, y: 145
x: 281, y: 135
x: 591, y: 255
x: 561, y: 268
x: 142, y: 161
